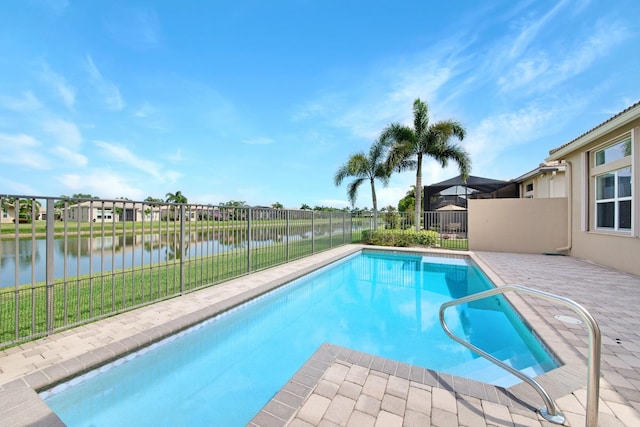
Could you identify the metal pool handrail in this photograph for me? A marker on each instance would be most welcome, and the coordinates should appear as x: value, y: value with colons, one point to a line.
x: 550, y: 413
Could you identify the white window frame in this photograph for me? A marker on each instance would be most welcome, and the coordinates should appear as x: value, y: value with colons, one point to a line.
x: 612, y: 167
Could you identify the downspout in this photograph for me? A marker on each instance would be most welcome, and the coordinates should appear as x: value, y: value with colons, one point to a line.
x: 568, y: 173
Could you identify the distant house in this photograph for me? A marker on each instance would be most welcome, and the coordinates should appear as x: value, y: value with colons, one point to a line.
x: 111, y: 211
x: 603, y: 177
x: 7, y: 214
x: 547, y: 180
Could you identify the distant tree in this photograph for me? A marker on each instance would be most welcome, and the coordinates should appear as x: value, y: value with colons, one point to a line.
x: 84, y: 196
x: 409, y: 145
x: 233, y: 209
x: 305, y: 207
x: 365, y: 167
x: 152, y: 200
x: 390, y: 216
x: 328, y: 209
x: 178, y: 197
x: 408, y: 202
x: 60, y: 203
x: 277, y: 205
x: 235, y: 203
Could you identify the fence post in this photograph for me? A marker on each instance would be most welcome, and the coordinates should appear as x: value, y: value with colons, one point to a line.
x: 344, y: 227
x: 288, y: 234
x: 182, y: 251
x: 330, y: 229
x: 50, y: 270
x: 313, y: 231
x: 249, y: 213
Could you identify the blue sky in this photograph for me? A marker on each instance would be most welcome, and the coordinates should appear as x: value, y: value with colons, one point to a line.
x: 263, y: 101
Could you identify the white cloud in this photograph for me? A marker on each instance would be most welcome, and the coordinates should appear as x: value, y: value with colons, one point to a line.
x: 66, y: 92
x: 146, y: 110
x: 27, y: 102
x: 10, y: 186
x: 530, y: 31
x: 22, y: 150
x: 71, y: 157
x: 108, y: 90
x: 496, y: 133
x: 334, y: 203
x: 387, y: 92
x: 122, y: 154
x: 550, y: 66
x: 136, y: 28
x: 176, y: 157
x: 101, y: 183
x: 258, y: 141
x: 66, y: 133
x: 600, y: 42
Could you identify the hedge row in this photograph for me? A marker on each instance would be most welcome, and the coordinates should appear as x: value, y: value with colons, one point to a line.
x: 401, y: 238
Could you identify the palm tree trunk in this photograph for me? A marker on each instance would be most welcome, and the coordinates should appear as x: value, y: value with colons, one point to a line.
x: 373, y: 195
x: 418, y: 192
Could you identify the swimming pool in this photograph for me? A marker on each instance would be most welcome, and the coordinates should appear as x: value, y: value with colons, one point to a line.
x: 223, y: 371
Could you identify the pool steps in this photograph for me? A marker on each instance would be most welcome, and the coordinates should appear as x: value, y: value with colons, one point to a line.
x: 480, y: 369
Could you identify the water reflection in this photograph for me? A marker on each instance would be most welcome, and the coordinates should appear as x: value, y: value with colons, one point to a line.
x: 76, y: 256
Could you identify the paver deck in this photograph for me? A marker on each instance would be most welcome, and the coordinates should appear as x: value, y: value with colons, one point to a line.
x: 343, y: 387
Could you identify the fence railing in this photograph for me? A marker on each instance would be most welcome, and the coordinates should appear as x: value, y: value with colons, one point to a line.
x: 451, y: 227
x: 66, y: 262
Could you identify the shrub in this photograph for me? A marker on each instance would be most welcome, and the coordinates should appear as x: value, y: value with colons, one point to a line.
x: 399, y: 238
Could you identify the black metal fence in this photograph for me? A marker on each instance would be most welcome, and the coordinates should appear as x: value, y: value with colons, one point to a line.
x: 66, y: 262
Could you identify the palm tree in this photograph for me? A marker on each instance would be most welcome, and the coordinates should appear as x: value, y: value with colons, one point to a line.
x: 178, y: 197
x: 409, y: 145
x: 27, y: 209
x: 365, y: 166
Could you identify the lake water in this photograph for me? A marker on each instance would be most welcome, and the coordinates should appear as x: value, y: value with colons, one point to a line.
x: 26, y: 259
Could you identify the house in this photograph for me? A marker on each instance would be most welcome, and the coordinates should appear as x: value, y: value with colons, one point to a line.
x: 107, y: 211
x: 7, y: 213
x: 22, y: 208
x: 547, y: 180
x: 583, y: 201
x: 603, y: 178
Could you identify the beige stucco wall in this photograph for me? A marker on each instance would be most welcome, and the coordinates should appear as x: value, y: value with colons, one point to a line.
x: 618, y: 250
x: 548, y: 184
x: 518, y: 225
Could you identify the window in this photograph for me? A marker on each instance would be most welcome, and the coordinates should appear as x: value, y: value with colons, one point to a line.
x: 613, y: 200
x: 612, y: 177
x: 104, y: 214
x: 614, y: 152
x: 529, y: 187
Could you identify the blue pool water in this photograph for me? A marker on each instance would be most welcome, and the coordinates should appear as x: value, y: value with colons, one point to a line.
x: 225, y: 370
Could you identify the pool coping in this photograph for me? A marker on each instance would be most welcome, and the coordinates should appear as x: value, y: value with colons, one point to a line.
x: 21, y: 404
